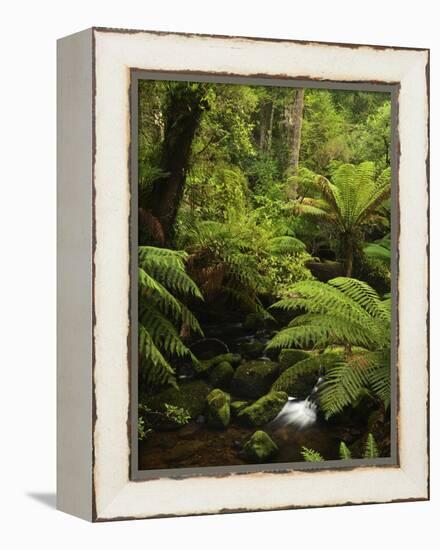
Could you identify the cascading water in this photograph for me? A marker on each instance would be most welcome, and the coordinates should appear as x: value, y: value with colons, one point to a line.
x: 300, y: 414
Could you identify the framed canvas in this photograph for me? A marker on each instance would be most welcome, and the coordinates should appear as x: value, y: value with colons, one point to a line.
x: 242, y: 274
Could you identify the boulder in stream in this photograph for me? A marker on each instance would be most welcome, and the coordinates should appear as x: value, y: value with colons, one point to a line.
x: 259, y: 448
x: 237, y: 406
x: 220, y: 375
x: 254, y: 378
x: 295, y: 382
x: 218, y: 409
x: 290, y: 357
x: 264, y: 409
x: 205, y: 366
x: 252, y: 350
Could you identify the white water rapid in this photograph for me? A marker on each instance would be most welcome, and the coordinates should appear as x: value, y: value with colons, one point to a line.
x: 300, y: 414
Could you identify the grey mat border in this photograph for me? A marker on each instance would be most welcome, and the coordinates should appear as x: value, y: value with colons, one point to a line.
x: 181, y: 473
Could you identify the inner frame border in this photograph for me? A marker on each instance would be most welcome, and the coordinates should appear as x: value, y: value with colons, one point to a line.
x: 219, y: 78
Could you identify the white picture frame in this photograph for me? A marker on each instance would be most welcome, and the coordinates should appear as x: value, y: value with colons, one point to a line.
x: 96, y: 480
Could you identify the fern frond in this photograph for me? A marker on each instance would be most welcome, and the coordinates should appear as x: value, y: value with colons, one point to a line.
x: 309, y: 455
x: 159, y: 371
x: 162, y: 315
x: 371, y: 450
x: 343, y: 382
x: 285, y: 245
x: 315, y: 364
x: 344, y: 451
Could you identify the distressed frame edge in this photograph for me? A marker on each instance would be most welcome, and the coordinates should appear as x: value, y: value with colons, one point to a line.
x: 75, y: 123
x: 96, y: 518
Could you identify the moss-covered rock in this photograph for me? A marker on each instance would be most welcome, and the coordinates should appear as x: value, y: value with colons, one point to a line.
x: 289, y: 357
x: 264, y: 409
x: 220, y: 375
x: 295, y: 382
x: 204, y: 367
x: 190, y: 396
x: 254, y: 378
x: 259, y: 448
x: 237, y: 406
x: 252, y: 350
x: 218, y: 409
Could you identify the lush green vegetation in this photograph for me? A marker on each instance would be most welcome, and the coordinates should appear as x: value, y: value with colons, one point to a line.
x: 264, y: 211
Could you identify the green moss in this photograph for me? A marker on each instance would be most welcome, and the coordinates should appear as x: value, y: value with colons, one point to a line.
x: 254, y: 378
x: 289, y: 357
x: 252, y: 350
x: 264, y: 409
x: 191, y: 396
x: 237, y: 406
x: 259, y: 448
x: 205, y: 366
x: 220, y: 375
x: 218, y: 409
x: 296, y: 382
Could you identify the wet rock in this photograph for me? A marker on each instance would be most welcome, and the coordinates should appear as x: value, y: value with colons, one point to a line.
x: 237, y: 406
x: 209, y: 348
x: 218, y: 409
x: 259, y: 448
x: 252, y: 350
x: 289, y: 357
x: 264, y: 409
x: 220, y: 375
x: 190, y: 396
x: 295, y: 383
x: 205, y: 366
x: 254, y: 378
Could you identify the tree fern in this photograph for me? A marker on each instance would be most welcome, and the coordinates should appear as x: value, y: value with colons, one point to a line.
x: 309, y: 455
x: 226, y: 258
x: 344, y: 312
x: 162, y: 315
x: 348, y: 202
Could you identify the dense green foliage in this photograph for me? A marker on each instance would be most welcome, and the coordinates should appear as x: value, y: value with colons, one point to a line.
x: 347, y: 321
x: 163, y: 317
x: 261, y: 207
x: 347, y: 203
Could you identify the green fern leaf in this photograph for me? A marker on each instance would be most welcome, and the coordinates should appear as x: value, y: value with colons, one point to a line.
x: 309, y: 455
x: 371, y: 450
x: 344, y: 451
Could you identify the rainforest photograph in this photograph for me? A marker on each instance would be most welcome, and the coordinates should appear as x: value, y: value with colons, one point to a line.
x: 264, y: 274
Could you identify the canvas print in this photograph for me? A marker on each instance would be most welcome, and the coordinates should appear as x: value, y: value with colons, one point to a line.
x: 264, y: 274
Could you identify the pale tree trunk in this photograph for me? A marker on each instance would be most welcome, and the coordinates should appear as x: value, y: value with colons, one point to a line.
x: 266, y: 124
x: 294, y: 117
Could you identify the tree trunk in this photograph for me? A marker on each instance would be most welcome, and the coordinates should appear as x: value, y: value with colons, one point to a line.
x: 266, y: 125
x: 294, y: 117
x: 182, y: 116
x: 349, y: 260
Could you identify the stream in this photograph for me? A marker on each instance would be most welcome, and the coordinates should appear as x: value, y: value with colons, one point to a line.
x: 197, y: 445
